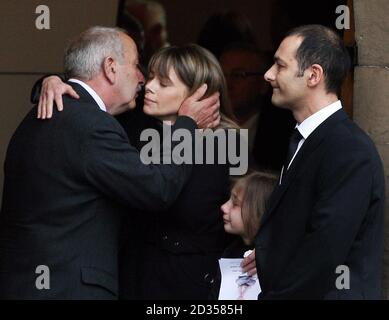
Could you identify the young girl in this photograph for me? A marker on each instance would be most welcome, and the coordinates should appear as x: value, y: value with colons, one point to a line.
x: 242, y: 214
x: 249, y: 198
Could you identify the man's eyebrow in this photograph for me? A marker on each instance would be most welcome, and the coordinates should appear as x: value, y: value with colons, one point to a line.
x: 278, y: 59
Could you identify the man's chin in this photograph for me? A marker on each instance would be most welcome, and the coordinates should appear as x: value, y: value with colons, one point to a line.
x: 277, y: 103
x: 123, y: 108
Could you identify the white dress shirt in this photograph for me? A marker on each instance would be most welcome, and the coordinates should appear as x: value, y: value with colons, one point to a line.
x: 311, y: 123
x: 92, y: 92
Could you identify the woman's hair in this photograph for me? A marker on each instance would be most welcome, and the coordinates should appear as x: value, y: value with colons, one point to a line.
x: 194, y: 66
x: 256, y: 189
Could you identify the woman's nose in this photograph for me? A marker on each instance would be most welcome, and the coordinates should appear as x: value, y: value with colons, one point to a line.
x: 148, y: 86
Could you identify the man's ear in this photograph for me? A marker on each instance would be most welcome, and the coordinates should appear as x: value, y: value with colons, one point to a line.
x: 315, y: 75
x: 110, y: 69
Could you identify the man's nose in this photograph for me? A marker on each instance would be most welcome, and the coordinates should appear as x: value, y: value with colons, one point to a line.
x: 269, y: 75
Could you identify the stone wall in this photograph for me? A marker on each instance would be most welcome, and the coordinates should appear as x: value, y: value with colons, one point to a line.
x: 371, y: 88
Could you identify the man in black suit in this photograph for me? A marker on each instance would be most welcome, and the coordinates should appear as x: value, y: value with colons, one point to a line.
x: 69, y: 181
x: 322, y: 235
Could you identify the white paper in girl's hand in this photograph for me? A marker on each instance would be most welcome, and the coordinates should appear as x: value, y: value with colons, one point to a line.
x: 234, y: 284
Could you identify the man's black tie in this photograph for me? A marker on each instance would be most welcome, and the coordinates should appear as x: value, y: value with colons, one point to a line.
x: 293, y: 144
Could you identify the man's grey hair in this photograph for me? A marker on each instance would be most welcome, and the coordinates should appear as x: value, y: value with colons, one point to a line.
x: 84, y: 56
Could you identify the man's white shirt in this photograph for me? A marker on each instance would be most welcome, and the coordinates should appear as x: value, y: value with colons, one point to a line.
x: 311, y: 123
x: 92, y: 92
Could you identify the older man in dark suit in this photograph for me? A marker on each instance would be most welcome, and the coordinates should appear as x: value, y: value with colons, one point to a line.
x: 322, y: 236
x: 69, y: 181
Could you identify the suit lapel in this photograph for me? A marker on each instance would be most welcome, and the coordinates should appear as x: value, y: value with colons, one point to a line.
x: 299, y: 162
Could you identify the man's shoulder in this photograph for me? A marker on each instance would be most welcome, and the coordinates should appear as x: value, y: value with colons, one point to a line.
x: 85, y: 115
x: 346, y: 137
x: 349, y: 132
x: 80, y: 107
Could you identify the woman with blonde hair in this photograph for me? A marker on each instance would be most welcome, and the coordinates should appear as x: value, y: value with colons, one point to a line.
x: 184, y: 69
x: 180, y: 248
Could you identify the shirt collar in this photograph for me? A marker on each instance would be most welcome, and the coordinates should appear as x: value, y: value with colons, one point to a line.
x: 92, y: 92
x: 312, y: 122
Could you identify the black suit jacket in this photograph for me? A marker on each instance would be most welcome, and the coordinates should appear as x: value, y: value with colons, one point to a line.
x: 182, y: 245
x: 328, y: 212
x: 67, y: 182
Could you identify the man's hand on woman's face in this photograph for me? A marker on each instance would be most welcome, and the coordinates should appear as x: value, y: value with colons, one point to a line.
x: 204, y: 112
x: 52, y: 91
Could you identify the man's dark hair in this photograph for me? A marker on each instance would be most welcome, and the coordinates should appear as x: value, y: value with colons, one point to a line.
x: 323, y: 46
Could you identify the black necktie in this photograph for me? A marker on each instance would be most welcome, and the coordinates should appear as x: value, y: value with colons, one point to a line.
x: 293, y: 144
